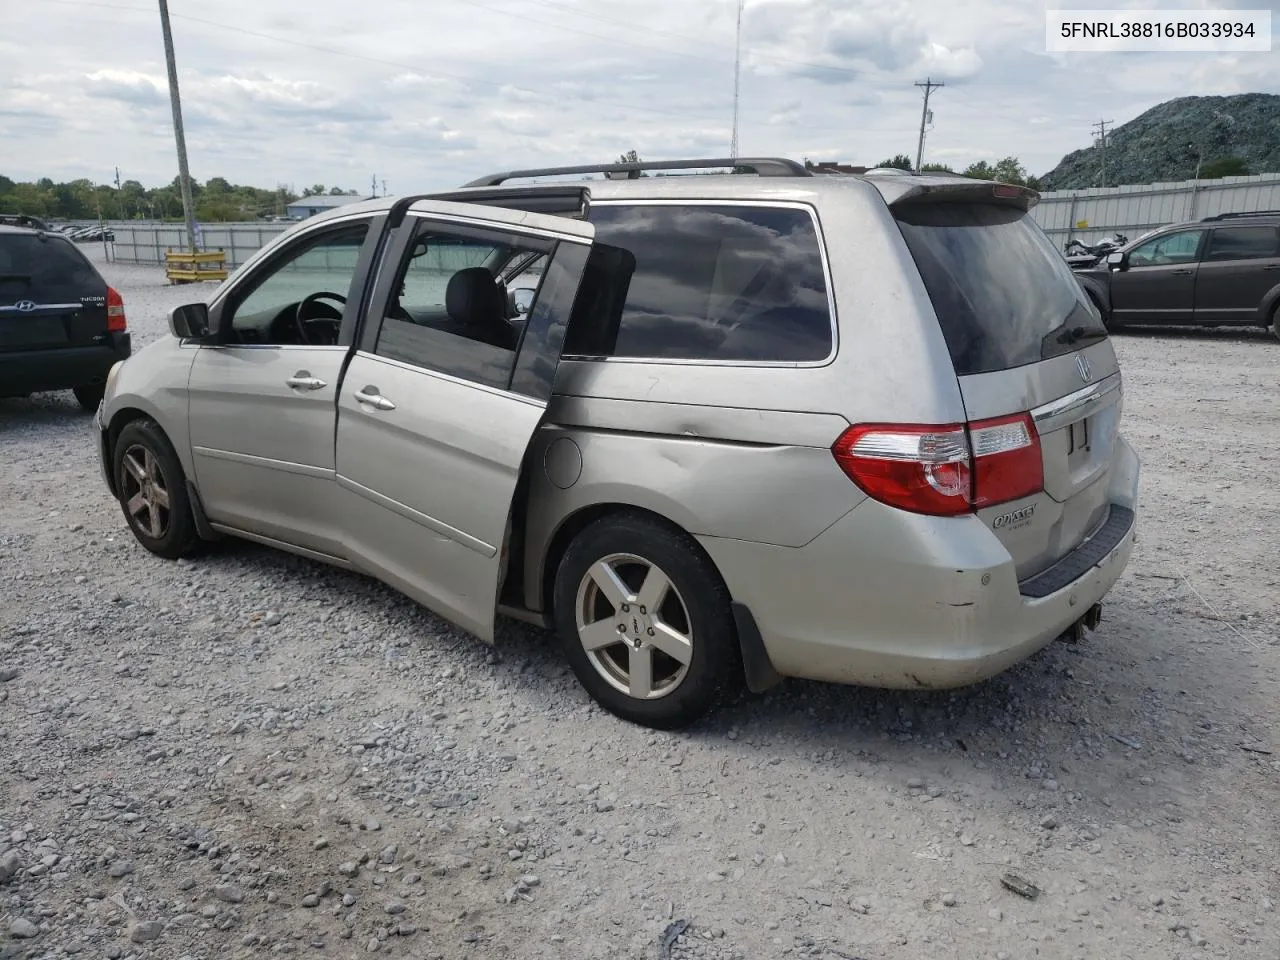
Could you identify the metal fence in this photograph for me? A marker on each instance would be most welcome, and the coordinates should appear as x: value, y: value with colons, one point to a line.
x: 1098, y: 212
x: 143, y: 242
x: 1089, y: 214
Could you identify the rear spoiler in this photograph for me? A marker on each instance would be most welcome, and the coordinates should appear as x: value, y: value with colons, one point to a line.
x: 944, y: 189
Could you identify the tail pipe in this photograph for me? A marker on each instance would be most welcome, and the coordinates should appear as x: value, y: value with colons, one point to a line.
x: 1090, y: 621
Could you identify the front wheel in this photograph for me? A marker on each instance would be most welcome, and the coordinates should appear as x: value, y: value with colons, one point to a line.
x: 645, y: 621
x: 152, y: 490
x: 1275, y: 321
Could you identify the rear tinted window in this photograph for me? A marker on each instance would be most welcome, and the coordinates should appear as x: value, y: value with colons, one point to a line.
x: 703, y: 282
x: 1242, y: 243
x: 44, y: 269
x: 1004, y: 296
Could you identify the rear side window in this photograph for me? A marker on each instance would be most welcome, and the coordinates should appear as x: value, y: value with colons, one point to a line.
x: 45, y: 269
x: 703, y: 282
x: 1003, y: 295
x: 1242, y: 243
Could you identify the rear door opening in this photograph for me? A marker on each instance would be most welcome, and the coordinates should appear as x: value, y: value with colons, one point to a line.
x: 1032, y: 357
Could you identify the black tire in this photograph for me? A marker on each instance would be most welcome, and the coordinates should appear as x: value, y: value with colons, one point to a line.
x: 1110, y: 325
x: 90, y: 395
x: 1275, y: 321
x: 176, y: 527
x: 714, y: 669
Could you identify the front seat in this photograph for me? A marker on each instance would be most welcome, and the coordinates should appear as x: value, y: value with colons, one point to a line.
x: 477, y: 305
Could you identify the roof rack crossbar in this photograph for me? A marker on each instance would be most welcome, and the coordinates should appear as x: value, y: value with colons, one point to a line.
x: 1241, y: 214
x: 764, y: 166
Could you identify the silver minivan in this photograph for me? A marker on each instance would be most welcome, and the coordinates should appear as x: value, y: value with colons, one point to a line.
x: 713, y: 430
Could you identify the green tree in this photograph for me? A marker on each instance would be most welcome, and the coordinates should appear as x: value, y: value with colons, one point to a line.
x: 1008, y: 170
x: 935, y: 168
x: 1224, y: 167
x: 899, y: 162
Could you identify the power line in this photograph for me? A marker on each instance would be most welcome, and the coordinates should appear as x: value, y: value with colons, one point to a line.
x: 928, y: 87
x: 1101, y: 128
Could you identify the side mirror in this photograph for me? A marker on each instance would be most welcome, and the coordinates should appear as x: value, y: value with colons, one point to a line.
x: 1117, y: 261
x: 522, y: 299
x: 190, y: 322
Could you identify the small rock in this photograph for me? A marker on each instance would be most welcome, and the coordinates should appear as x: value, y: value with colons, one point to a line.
x: 23, y: 929
x: 186, y: 883
x: 530, y: 880
x: 388, y: 854
x: 9, y: 673
x: 229, y: 893
x: 995, y: 913
x: 114, y: 952
x: 9, y: 865
x: 373, y: 826
x: 349, y: 868
x: 1050, y: 823
x: 320, y: 844
x: 310, y: 900
x: 949, y: 900
x: 146, y: 931
x: 121, y: 868
x: 966, y: 840
x: 915, y: 783
x: 394, y: 908
x: 272, y: 619
x: 604, y: 806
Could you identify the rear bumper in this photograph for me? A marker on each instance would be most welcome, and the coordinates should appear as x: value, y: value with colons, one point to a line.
x: 29, y: 371
x: 885, y: 598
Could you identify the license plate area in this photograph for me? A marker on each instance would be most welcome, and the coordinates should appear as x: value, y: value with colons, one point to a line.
x: 28, y: 332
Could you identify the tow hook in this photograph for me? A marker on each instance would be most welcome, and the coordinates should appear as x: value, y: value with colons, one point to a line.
x: 1075, y: 633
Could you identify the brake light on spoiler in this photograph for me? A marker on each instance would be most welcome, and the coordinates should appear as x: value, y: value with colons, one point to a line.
x: 944, y: 470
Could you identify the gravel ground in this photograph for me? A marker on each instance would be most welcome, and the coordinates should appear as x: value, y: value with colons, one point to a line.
x: 251, y: 754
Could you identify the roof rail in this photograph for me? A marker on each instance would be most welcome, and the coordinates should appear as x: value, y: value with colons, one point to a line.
x: 23, y: 220
x: 764, y: 166
x: 1242, y: 214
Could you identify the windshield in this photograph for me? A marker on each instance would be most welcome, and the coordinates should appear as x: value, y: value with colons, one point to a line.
x: 1003, y: 294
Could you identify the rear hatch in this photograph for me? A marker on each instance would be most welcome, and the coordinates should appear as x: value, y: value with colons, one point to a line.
x: 1024, y: 339
x: 50, y: 294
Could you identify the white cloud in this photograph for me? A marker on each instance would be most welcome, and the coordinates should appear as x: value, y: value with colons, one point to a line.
x: 430, y: 95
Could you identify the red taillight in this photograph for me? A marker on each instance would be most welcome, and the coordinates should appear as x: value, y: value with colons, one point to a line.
x: 944, y: 470
x: 1007, y: 462
x: 116, y: 322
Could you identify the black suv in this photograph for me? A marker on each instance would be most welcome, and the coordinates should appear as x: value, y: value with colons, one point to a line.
x: 61, y: 325
x: 1217, y: 271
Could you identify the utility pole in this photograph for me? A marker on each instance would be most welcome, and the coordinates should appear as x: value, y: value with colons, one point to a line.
x: 119, y: 196
x: 184, y: 175
x: 384, y: 188
x: 737, y: 82
x: 1101, y: 127
x: 928, y: 86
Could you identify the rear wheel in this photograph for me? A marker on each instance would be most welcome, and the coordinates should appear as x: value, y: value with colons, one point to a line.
x: 1275, y: 321
x: 645, y: 621
x: 90, y: 396
x: 152, y: 490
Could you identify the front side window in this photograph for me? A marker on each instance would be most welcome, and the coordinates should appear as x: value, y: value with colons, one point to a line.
x: 301, y: 299
x: 703, y: 282
x: 1169, y: 249
x: 450, y: 310
x: 1242, y: 243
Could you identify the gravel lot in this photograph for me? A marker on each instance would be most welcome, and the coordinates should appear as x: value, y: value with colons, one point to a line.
x: 251, y: 754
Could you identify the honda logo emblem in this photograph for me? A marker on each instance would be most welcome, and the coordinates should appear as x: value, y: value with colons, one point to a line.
x: 24, y: 306
x: 1086, y: 374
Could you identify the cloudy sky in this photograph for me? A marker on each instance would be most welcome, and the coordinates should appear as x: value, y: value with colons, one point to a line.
x: 430, y: 93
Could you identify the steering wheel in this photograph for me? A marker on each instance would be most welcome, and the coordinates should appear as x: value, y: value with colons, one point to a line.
x: 301, y: 320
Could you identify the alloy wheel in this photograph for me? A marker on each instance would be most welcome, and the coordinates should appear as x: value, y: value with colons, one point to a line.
x: 634, y: 626
x: 145, y: 494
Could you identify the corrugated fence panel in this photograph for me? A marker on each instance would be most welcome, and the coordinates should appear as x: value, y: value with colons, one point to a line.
x: 1133, y: 210
x: 142, y: 242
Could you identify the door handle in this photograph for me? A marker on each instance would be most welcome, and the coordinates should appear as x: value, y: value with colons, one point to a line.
x: 375, y: 400
x: 304, y: 381
x: 1182, y: 273
x: 1272, y: 266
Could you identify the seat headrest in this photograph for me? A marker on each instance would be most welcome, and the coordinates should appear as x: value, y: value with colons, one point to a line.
x: 473, y: 298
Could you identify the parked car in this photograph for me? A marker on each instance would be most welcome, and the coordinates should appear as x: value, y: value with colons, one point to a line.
x: 859, y: 429
x: 1222, y: 270
x: 61, y: 326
